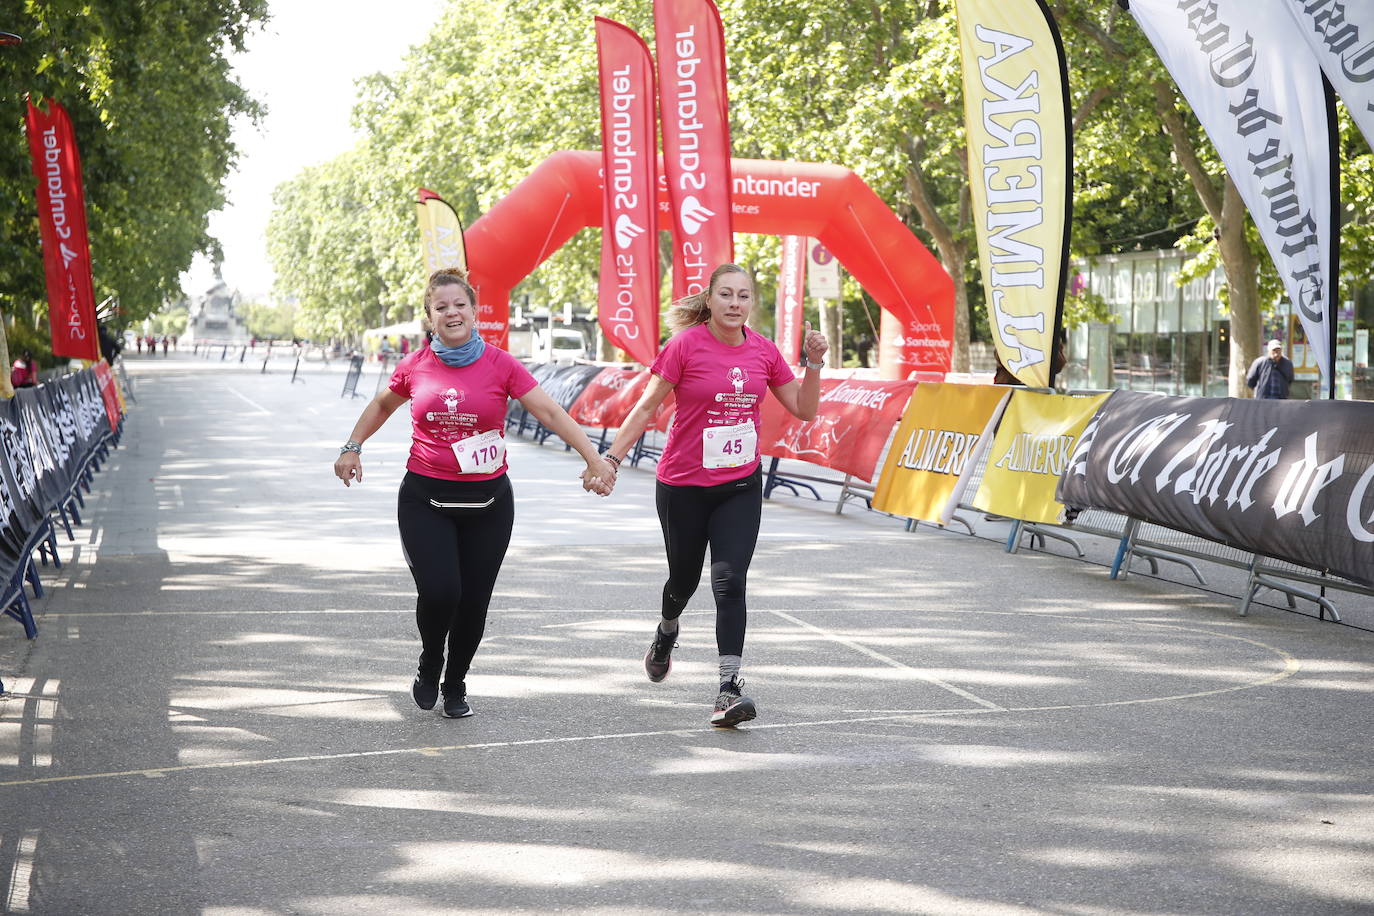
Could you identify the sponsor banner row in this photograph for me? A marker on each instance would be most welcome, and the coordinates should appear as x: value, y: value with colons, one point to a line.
x: 46, y: 433
x: 1292, y: 480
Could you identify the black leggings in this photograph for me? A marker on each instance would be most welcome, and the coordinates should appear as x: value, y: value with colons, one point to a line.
x: 454, y: 553
x: 726, y: 517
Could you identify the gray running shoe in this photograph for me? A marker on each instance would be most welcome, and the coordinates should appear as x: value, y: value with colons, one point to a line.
x: 658, y: 661
x: 732, y: 706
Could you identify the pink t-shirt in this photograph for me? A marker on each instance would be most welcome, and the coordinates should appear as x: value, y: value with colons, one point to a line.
x: 448, y: 404
x: 716, y: 385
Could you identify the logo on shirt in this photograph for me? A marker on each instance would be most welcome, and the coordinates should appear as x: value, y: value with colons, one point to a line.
x: 451, y: 398
x: 737, y: 377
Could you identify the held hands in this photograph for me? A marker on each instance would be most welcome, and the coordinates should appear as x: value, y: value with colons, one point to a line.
x: 814, y: 344
x: 349, y: 466
x: 599, y: 477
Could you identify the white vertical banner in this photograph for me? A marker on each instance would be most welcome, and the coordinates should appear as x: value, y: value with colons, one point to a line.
x: 823, y: 272
x: 1342, y: 37
x: 1260, y: 96
x: 791, y: 279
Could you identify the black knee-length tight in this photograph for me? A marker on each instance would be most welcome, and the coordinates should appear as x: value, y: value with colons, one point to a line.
x: 455, y: 535
x: 725, y: 517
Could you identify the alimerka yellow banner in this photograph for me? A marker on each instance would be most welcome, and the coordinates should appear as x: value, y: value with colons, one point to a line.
x: 441, y: 234
x: 1037, y: 435
x: 1016, y: 116
x: 936, y: 448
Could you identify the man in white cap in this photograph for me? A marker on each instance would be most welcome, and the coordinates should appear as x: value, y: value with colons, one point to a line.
x: 1271, y: 375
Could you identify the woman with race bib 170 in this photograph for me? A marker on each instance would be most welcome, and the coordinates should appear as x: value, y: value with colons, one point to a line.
x: 709, y: 489
x: 455, y: 508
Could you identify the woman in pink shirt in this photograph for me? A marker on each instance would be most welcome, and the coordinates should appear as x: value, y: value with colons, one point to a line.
x: 709, y: 490
x: 455, y: 508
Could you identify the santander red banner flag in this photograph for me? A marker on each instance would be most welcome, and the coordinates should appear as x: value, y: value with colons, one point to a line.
x: 852, y: 424
x: 62, y: 221
x: 791, y: 282
x: 694, y: 108
x: 627, y: 301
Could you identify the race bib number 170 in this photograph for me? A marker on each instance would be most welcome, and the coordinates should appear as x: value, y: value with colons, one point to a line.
x: 728, y: 446
x: 481, y: 454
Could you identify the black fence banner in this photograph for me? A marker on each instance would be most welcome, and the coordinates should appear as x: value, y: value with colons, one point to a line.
x: 1293, y: 480
x: 567, y: 384
x: 53, y: 480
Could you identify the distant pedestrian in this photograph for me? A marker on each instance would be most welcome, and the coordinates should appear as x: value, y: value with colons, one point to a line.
x: 1271, y: 375
x: 456, y: 509
x: 24, y: 373
x: 138, y: 342
x: 165, y: 344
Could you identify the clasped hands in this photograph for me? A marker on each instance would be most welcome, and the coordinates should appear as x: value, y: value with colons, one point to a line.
x: 599, y: 477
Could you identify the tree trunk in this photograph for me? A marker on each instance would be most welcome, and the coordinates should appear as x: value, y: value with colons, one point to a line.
x: 6, y: 389
x: 1242, y: 284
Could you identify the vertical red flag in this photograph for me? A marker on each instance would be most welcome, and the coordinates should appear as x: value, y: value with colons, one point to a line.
x: 791, y: 282
x: 62, y: 221
x: 694, y: 108
x: 627, y: 300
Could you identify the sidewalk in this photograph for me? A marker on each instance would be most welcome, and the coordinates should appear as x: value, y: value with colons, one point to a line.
x: 215, y: 717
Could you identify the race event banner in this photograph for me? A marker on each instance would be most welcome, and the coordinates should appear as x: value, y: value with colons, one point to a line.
x: 791, y: 282
x: 1016, y: 115
x: 851, y: 427
x: 1259, y: 94
x: 627, y: 298
x: 608, y: 400
x: 441, y: 234
x: 1288, y: 479
x: 1341, y: 35
x: 935, y: 448
x: 694, y: 107
x: 1037, y: 435
x: 62, y: 224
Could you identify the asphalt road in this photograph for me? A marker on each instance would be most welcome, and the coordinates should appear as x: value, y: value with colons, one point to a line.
x: 215, y: 717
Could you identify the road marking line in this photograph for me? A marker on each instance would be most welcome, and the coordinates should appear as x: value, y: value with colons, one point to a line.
x: 892, y: 662
x: 260, y: 408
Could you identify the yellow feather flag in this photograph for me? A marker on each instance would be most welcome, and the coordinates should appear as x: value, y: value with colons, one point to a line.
x: 441, y: 234
x: 1019, y: 164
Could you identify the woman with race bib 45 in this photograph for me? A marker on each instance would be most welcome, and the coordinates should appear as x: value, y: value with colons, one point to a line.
x: 709, y: 488
x: 455, y: 508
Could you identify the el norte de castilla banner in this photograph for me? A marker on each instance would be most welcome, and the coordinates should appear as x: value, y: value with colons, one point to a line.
x: 1257, y: 89
x: 1287, y: 479
x: 1016, y: 115
x: 1341, y: 35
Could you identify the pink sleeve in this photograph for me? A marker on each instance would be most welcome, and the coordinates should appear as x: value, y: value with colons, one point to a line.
x: 400, y: 379
x: 668, y: 364
x: 779, y: 373
x: 519, y: 381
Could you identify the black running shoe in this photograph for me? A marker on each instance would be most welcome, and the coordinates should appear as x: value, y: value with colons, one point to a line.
x: 456, y: 702
x: 425, y: 691
x: 732, y: 707
x: 658, y: 661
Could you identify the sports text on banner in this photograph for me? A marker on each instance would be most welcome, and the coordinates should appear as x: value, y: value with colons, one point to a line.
x: 1034, y: 440
x: 627, y: 299
x: 62, y: 222
x: 935, y: 448
x: 1260, y: 96
x: 1016, y: 114
x: 694, y: 107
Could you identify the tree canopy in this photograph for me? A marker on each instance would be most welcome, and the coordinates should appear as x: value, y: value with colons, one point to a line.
x: 873, y: 85
x: 151, y: 98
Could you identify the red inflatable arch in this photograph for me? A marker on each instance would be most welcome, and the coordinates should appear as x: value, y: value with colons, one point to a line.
x: 562, y: 196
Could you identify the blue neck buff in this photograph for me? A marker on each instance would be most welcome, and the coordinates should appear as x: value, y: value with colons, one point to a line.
x: 464, y: 355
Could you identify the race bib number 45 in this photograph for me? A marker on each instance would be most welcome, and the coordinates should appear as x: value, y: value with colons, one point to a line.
x: 483, y: 453
x: 728, y: 446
